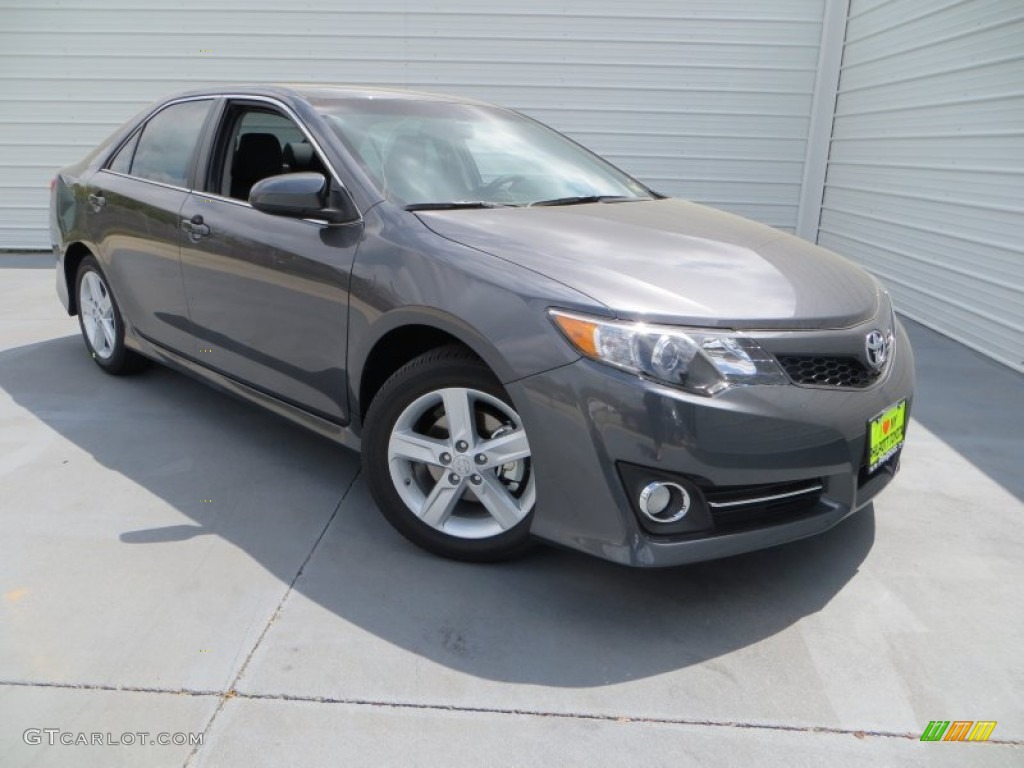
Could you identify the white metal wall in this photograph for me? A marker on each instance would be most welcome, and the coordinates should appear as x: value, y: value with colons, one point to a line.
x: 706, y: 99
x: 925, y: 182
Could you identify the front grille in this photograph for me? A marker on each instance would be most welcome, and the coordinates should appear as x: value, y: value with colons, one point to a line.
x: 753, y: 505
x: 820, y: 371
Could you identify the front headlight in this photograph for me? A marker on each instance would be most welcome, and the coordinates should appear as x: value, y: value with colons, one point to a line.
x: 702, y: 361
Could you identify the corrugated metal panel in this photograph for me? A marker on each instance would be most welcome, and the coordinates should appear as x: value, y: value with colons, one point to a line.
x: 706, y: 99
x: 925, y: 182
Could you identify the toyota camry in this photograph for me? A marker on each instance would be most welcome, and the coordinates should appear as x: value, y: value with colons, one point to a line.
x: 522, y: 340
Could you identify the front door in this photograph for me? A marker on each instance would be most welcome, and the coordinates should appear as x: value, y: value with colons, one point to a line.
x: 267, y: 295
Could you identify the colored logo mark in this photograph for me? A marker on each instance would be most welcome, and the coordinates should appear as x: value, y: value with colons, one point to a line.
x: 958, y: 730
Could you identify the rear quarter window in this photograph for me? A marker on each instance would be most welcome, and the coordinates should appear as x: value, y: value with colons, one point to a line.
x: 122, y: 162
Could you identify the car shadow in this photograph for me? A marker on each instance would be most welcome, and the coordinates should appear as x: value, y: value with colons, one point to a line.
x: 553, y: 618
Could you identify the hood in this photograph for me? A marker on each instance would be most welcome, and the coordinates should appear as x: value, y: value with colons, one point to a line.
x: 670, y: 261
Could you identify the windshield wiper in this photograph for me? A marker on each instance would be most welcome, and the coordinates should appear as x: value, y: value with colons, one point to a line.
x: 454, y: 204
x: 587, y: 199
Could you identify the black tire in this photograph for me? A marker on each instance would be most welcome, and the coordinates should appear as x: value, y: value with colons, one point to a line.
x: 109, y: 351
x: 445, y: 370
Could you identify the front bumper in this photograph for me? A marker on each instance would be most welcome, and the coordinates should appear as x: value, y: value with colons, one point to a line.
x: 585, y: 420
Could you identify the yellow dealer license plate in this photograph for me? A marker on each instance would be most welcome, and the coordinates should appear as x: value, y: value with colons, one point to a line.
x: 885, y: 434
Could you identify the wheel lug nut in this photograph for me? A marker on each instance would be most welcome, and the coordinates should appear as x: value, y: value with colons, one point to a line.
x: 480, y: 459
x: 454, y: 479
x: 476, y: 479
x: 446, y: 458
x: 461, y: 446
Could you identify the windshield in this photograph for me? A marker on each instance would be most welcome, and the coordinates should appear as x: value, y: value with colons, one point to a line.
x: 424, y: 154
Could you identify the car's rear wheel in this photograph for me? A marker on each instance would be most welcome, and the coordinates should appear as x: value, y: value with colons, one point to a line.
x: 447, y: 459
x: 101, y: 322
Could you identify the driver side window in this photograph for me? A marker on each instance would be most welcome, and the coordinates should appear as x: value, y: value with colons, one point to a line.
x: 260, y: 142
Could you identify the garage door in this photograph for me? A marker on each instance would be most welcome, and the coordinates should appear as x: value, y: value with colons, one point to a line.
x: 925, y: 182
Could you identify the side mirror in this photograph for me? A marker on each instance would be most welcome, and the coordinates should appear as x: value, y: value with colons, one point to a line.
x: 302, y: 196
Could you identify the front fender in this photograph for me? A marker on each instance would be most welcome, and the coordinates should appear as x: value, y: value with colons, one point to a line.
x: 406, y: 274
x: 363, y: 343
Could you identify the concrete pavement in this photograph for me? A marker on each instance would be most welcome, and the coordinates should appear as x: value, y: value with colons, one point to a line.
x: 175, y: 561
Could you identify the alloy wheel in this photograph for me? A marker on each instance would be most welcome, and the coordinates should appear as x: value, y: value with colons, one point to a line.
x: 97, y: 310
x: 460, y: 461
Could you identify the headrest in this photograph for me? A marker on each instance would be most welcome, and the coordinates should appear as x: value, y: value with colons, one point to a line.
x: 298, y: 156
x: 258, y: 156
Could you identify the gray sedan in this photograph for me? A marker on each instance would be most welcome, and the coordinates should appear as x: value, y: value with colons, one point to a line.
x: 522, y: 340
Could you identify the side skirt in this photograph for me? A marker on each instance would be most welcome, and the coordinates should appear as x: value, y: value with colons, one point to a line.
x: 337, y: 433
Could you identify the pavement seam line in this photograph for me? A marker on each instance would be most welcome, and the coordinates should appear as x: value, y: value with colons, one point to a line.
x: 231, y: 693
x: 623, y: 719
x: 109, y: 688
x: 517, y: 712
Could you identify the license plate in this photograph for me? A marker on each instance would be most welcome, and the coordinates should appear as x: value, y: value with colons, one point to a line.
x: 885, y: 434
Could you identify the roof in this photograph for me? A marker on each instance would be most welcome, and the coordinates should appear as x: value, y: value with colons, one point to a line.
x: 326, y: 92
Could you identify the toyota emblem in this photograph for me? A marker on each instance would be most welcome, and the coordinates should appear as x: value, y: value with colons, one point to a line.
x: 877, y: 349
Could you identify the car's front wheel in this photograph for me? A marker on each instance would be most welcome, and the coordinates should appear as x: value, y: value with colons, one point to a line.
x: 101, y: 322
x: 447, y: 459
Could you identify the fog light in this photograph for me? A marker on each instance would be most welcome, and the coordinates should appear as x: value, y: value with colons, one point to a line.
x: 664, y: 502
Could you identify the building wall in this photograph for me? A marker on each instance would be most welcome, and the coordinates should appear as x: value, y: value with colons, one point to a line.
x: 705, y: 99
x: 925, y: 181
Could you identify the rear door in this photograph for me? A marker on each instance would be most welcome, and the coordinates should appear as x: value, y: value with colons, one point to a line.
x: 135, y: 202
x: 267, y: 295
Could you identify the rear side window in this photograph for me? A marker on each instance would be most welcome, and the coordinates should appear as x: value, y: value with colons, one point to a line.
x: 168, y: 140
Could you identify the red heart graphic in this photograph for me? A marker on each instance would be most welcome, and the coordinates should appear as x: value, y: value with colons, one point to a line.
x: 885, y: 427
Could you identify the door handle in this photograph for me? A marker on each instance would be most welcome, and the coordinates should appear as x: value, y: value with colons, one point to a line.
x: 195, y: 227
x: 97, y: 201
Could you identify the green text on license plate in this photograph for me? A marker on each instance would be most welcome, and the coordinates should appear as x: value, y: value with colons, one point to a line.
x: 885, y: 434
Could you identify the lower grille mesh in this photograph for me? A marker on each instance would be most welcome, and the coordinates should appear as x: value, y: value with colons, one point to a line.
x: 752, y: 505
